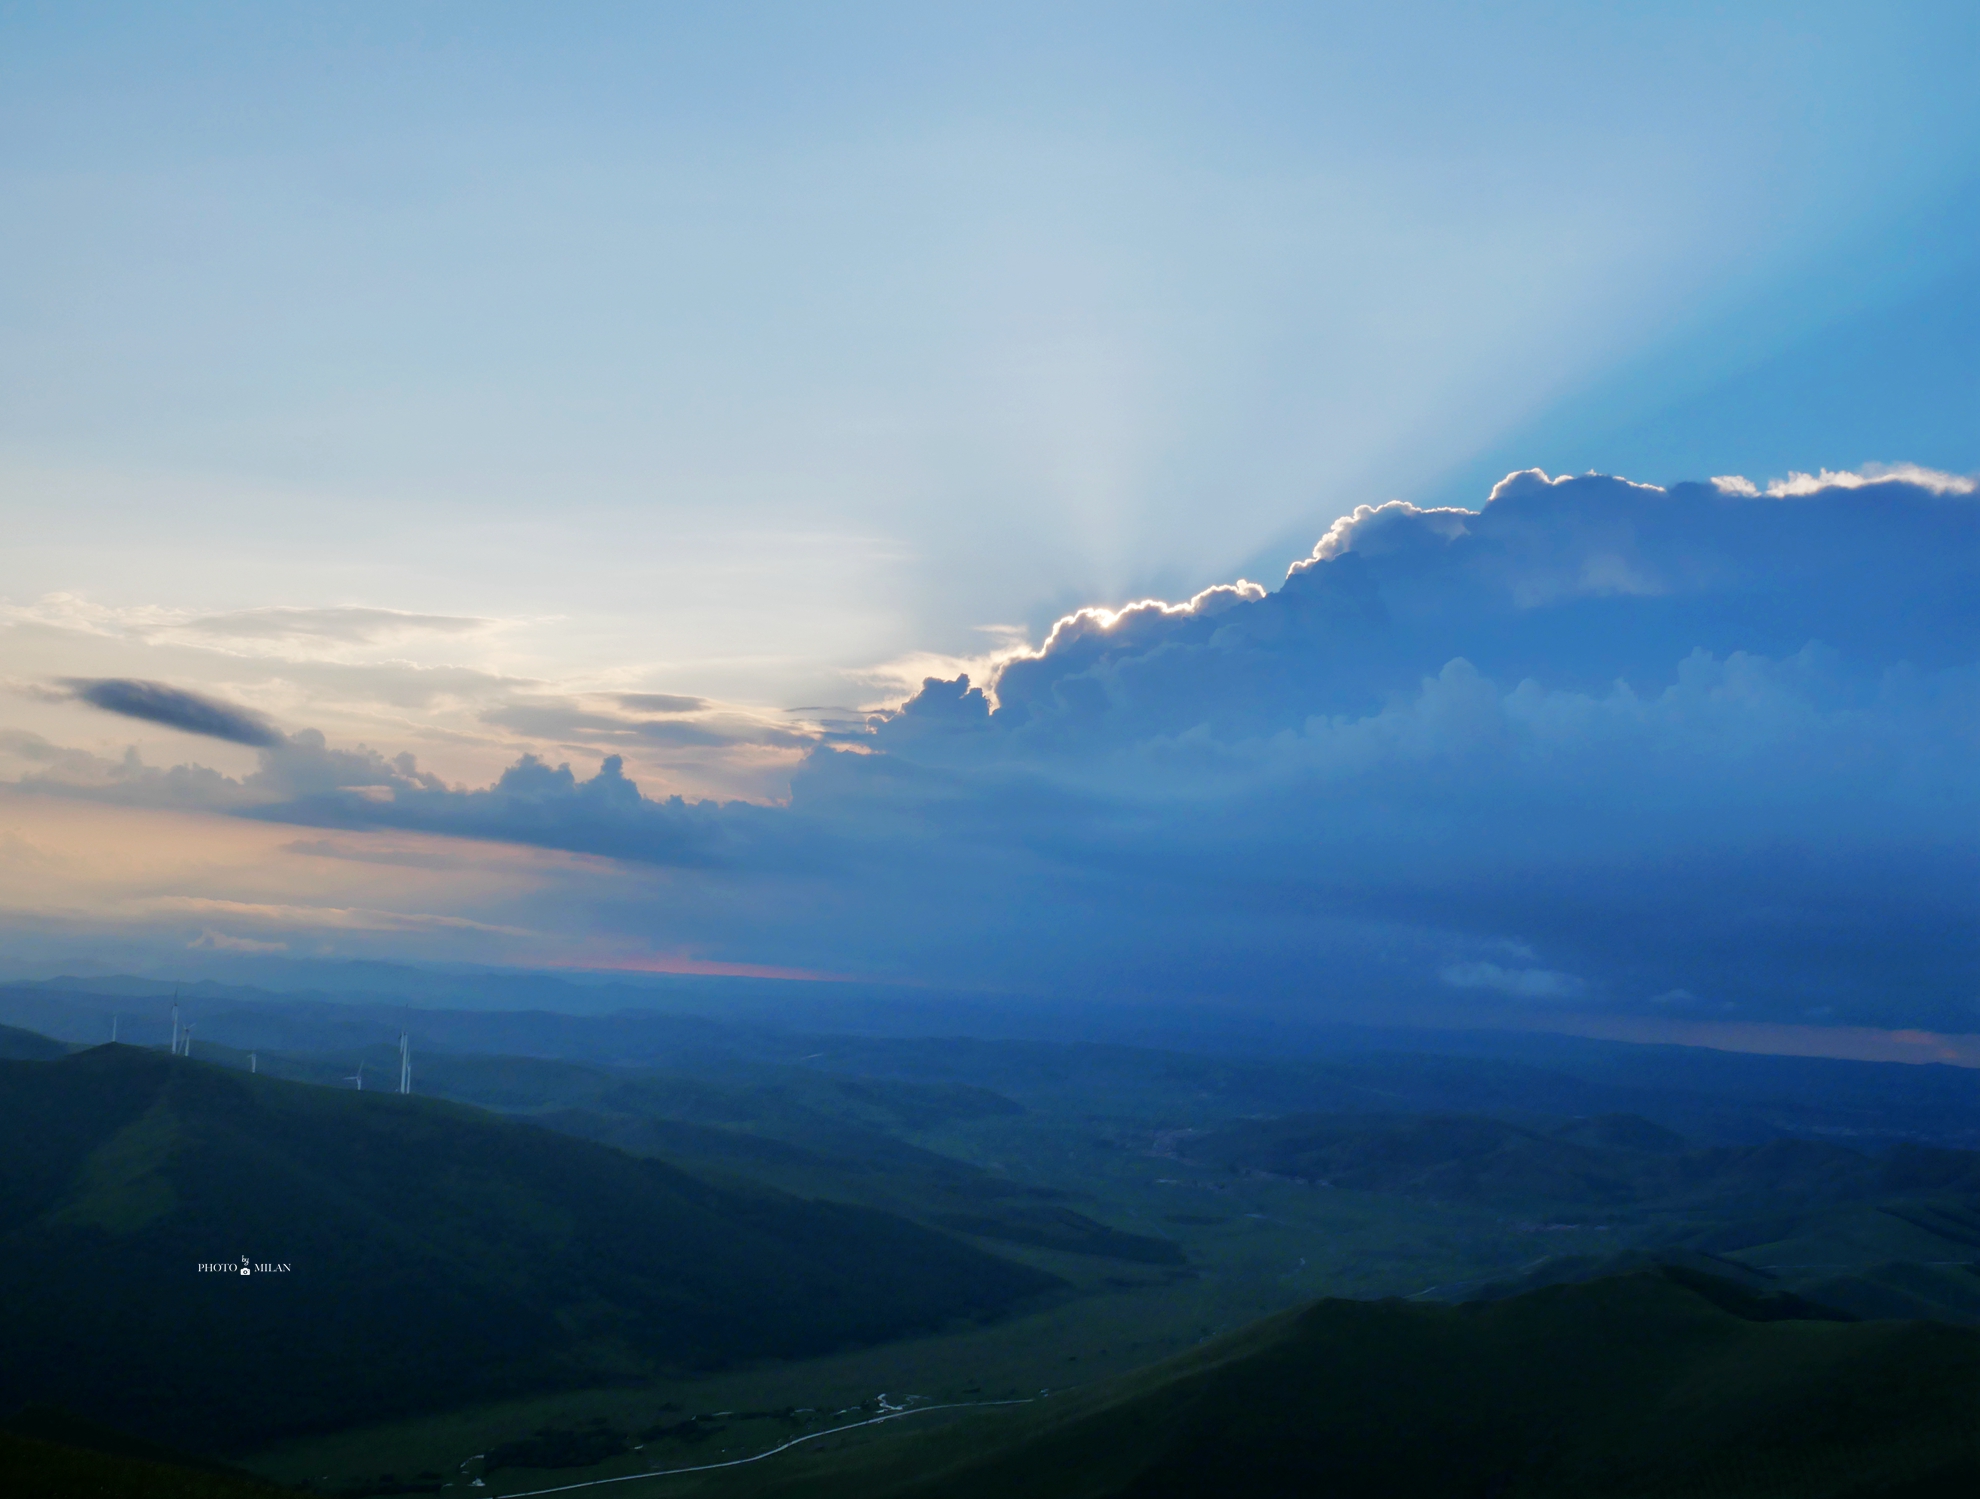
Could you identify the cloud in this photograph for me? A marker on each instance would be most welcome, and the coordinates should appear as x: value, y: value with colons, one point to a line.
x: 296, y: 765
x: 397, y: 684
x: 1363, y: 529
x: 532, y: 803
x: 659, y: 702
x: 1593, y: 744
x: 448, y: 857
x: 212, y: 941
x: 1796, y: 485
x: 348, y: 625
x: 128, y: 781
x: 569, y: 720
x: 175, y: 708
x: 338, y: 918
x: 1525, y: 983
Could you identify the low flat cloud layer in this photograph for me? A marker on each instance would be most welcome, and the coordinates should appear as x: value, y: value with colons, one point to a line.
x: 1596, y: 744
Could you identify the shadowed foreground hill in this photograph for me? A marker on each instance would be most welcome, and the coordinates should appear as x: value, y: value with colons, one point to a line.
x: 1653, y: 1384
x: 50, y: 1454
x: 437, y: 1255
x: 48, y: 1470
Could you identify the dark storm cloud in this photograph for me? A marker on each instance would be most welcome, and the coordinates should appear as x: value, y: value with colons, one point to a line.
x: 1595, y: 743
x: 1698, y: 739
x: 532, y: 803
x: 175, y: 708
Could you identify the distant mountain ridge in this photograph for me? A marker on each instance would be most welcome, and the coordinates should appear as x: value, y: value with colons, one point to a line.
x: 1707, y: 1096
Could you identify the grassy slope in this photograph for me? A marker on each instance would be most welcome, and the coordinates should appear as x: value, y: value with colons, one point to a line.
x: 1637, y: 1385
x: 440, y: 1255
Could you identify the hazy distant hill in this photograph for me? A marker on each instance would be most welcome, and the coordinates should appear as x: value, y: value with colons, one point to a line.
x: 1218, y: 1066
x: 437, y: 1254
x: 1653, y: 1384
x: 1608, y: 1161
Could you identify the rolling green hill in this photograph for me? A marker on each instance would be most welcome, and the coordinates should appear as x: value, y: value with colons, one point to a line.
x: 1659, y: 1383
x: 435, y: 1254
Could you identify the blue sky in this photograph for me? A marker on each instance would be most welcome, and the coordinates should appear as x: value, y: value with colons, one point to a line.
x: 473, y: 382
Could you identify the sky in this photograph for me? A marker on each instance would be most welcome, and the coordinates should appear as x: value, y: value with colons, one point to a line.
x: 503, y: 484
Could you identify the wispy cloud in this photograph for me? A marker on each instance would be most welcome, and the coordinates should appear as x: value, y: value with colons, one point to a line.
x: 347, y: 625
x: 1522, y: 983
x: 659, y: 702
x: 339, y: 918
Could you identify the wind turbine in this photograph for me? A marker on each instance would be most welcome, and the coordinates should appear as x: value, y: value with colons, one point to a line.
x: 405, y: 1063
x: 113, y: 1028
x: 175, y: 1022
x: 359, y: 1079
x: 253, y: 1066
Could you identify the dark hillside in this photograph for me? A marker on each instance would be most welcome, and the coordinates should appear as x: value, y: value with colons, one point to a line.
x: 50, y: 1454
x: 1638, y: 1386
x: 17, y: 1045
x: 437, y: 1255
x: 36, y: 1469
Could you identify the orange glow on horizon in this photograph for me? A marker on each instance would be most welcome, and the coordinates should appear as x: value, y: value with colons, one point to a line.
x: 1850, y: 1043
x: 702, y: 967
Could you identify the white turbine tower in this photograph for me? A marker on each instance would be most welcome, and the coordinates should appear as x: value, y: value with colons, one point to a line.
x: 175, y: 1030
x: 253, y: 1065
x: 187, y: 1045
x: 405, y: 1063
x: 113, y: 1028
